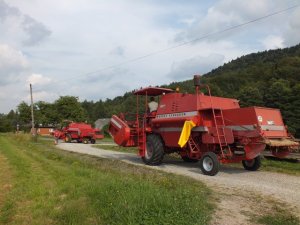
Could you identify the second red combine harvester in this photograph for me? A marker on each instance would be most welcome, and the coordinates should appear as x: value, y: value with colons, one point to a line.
x: 202, y: 128
x: 81, y: 132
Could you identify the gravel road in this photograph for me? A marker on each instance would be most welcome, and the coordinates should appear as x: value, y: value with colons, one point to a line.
x: 280, y: 187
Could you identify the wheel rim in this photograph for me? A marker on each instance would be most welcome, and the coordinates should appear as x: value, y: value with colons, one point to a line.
x: 208, y: 164
x: 249, y: 163
x: 149, y: 152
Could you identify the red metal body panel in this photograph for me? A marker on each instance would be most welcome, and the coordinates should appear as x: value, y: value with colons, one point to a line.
x: 210, y: 137
x: 176, y: 108
x: 179, y: 102
x: 121, y: 132
x: 268, y: 121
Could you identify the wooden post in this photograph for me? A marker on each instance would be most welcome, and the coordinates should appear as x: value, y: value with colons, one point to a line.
x: 33, y: 130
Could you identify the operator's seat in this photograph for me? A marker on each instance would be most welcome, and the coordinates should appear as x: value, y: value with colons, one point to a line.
x: 152, y: 114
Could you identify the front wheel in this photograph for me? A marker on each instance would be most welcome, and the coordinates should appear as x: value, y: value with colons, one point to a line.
x: 209, y: 164
x: 85, y: 141
x: 253, y: 164
x: 93, y: 141
x: 154, y: 152
x: 68, y: 138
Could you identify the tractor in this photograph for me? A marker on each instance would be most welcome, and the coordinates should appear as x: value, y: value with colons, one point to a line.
x: 201, y: 127
x: 81, y: 132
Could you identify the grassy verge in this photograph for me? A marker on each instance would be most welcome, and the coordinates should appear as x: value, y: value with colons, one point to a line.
x: 276, y: 165
x: 278, y: 215
x: 281, y: 166
x: 49, y: 186
x: 117, y: 148
x: 105, y: 139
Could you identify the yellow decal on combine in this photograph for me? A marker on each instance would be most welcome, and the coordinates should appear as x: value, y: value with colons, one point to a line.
x: 186, y: 132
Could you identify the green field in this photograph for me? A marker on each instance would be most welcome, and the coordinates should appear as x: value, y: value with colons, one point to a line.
x: 42, y: 185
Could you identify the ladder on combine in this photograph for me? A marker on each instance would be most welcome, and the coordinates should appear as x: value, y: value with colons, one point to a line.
x: 220, y: 129
x: 141, y: 136
x: 194, y: 148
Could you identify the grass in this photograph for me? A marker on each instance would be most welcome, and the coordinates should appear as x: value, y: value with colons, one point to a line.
x: 277, y: 216
x: 281, y: 166
x: 279, y: 219
x: 105, y: 139
x: 276, y: 165
x: 49, y: 186
x: 117, y: 148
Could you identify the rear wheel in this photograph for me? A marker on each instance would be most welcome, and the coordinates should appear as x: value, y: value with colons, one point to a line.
x: 253, y: 164
x: 187, y: 159
x: 68, y: 138
x: 154, y: 152
x: 93, y: 141
x: 85, y: 141
x: 209, y: 164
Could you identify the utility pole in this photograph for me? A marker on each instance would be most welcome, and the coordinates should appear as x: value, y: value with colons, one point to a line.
x: 33, y: 131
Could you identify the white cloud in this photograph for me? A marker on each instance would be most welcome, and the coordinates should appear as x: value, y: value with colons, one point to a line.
x: 11, y: 58
x: 229, y: 13
x: 273, y: 42
x: 19, y: 28
x: 292, y: 34
x: 196, y: 65
x: 222, y: 15
x: 38, y: 79
x: 12, y: 64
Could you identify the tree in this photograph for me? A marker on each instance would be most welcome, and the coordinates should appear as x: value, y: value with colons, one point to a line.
x: 46, y: 114
x: 250, y: 96
x: 69, y: 108
x: 24, y: 113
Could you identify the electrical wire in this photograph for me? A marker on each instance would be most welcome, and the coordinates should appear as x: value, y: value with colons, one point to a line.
x: 180, y: 44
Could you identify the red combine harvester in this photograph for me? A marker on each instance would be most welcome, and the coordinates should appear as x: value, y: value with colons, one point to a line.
x: 81, y: 132
x: 202, y: 127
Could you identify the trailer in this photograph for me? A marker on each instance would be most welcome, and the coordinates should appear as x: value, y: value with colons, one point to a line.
x: 203, y: 128
x: 80, y: 132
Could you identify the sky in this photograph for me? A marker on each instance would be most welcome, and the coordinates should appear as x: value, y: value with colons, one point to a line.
x: 97, y: 49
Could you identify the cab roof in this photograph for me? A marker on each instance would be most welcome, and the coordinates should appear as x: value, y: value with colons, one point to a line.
x: 153, y: 91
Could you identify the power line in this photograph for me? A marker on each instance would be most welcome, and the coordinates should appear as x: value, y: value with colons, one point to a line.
x: 183, y: 43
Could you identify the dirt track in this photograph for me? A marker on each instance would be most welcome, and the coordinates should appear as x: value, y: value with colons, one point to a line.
x: 238, y: 190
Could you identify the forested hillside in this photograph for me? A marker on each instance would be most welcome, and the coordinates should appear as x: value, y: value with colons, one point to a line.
x: 270, y: 78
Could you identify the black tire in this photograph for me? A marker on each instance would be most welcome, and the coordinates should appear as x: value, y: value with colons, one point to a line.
x: 68, y: 138
x: 187, y: 159
x: 209, y: 164
x: 154, y: 153
x: 85, y: 141
x: 93, y: 141
x: 253, y: 164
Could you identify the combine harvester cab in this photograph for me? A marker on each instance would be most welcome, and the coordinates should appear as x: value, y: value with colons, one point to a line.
x: 201, y: 128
